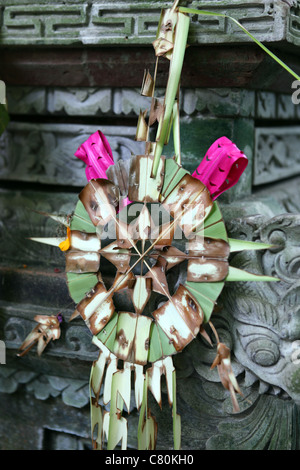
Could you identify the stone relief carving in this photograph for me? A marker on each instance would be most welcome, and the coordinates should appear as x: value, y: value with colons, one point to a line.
x: 276, y: 153
x: 293, y: 34
x: 261, y: 324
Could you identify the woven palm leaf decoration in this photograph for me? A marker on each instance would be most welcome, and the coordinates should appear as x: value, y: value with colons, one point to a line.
x: 159, y: 218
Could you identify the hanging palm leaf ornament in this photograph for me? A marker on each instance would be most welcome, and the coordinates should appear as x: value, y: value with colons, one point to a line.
x: 163, y: 219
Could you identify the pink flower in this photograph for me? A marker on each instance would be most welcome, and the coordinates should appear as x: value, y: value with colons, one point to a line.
x: 97, y: 155
x: 221, y: 167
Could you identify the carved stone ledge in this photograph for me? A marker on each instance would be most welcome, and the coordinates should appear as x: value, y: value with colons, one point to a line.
x: 246, y: 66
x: 57, y: 23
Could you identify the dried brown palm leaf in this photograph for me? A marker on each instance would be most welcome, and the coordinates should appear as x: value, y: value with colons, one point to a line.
x: 48, y: 329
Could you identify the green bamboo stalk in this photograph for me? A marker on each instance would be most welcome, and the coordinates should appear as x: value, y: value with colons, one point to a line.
x: 223, y: 15
x: 181, y: 34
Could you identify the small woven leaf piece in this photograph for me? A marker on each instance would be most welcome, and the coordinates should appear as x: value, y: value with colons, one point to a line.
x: 156, y: 111
x: 79, y: 262
x: 180, y: 318
x: 208, y: 260
x: 147, y: 84
x: 96, y: 154
x: 118, y: 174
x: 142, y: 186
x: 80, y: 284
x: 142, y: 127
x: 189, y: 203
x: 81, y: 220
x: 48, y: 329
x: 100, y: 198
x: 120, y: 258
x: 141, y: 293
x: 4, y: 117
x: 147, y: 427
x: 221, y: 167
x: 96, y: 308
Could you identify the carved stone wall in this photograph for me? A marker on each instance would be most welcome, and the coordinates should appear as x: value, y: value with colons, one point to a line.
x: 44, y: 401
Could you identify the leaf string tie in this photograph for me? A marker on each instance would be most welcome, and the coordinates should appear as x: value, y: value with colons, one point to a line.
x: 223, y: 363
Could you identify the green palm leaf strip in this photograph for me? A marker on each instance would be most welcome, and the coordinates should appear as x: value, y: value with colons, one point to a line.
x: 176, y: 417
x: 4, y: 117
x: 262, y: 46
x: 147, y: 427
x: 241, y: 245
x: 239, y: 275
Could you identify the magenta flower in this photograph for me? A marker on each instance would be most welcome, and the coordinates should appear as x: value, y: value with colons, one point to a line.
x: 221, y: 167
x: 97, y: 155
